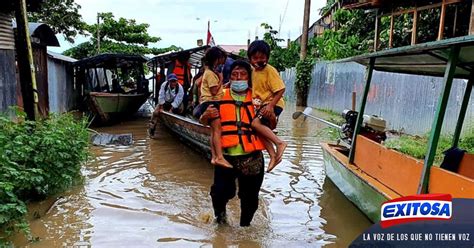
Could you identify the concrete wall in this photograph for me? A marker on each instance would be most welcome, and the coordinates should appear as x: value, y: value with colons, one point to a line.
x: 407, y: 102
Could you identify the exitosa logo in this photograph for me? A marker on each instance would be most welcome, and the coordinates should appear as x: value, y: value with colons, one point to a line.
x: 416, y: 208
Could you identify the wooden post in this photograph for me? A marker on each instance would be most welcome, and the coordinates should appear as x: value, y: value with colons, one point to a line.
x: 302, y: 92
x: 360, y: 115
x: 455, y: 24
x: 377, y: 31
x: 390, y: 39
x: 442, y: 20
x: 438, y: 120
x: 353, y: 100
x: 304, y: 36
x: 471, y: 23
x: 98, y: 33
x: 462, y: 111
x: 25, y: 62
x: 414, y: 29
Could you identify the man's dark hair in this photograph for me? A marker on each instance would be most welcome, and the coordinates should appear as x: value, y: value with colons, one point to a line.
x: 243, y: 64
x: 258, y: 46
x: 212, y: 55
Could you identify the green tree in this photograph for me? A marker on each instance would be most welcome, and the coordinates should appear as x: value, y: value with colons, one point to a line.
x: 280, y: 57
x: 117, y: 36
x: 62, y: 16
x: 353, y: 36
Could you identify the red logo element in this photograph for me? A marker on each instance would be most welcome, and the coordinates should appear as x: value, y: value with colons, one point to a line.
x: 416, y: 208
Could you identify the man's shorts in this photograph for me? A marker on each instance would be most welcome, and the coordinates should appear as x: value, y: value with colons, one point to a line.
x: 277, y: 110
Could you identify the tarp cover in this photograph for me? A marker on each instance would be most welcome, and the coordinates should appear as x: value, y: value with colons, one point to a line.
x: 104, y: 139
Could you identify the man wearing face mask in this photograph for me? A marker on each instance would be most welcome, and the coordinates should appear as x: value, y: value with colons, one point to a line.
x: 240, y: 146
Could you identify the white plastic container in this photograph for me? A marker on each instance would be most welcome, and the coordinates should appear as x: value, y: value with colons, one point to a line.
x: 375, y: 122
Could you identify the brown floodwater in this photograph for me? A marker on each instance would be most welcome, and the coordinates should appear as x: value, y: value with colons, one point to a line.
x: 156, y: 193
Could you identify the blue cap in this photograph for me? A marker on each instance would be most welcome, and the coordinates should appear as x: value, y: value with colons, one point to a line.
x: 172, y: 76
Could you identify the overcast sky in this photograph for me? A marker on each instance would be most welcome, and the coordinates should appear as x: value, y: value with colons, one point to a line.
x: 182, y: 22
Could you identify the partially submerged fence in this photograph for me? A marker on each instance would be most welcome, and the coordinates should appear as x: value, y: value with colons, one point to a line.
x: 407, y: 102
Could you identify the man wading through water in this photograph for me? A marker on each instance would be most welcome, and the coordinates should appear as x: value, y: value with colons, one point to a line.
x: 240, y: 146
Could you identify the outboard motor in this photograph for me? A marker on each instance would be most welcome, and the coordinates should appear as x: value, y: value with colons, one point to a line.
x: 373, y: 127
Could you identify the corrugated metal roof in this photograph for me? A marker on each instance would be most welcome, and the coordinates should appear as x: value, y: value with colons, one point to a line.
x: 7, y: 39
x: 61, y: 57
x: 233, y: 48
x: 43, y: 32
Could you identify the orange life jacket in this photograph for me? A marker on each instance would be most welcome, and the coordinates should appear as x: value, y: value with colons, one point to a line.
x: 238, y: 132
x: 183, y: 72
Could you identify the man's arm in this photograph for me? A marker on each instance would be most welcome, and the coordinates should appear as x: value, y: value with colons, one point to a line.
x: 161, y: 94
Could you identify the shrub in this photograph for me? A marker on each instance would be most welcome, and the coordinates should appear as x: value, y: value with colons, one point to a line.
x: 37, y: 159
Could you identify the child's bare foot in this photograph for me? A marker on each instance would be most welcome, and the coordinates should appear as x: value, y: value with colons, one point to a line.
x: 272, y: 163
x: 280, y: 149
x: 213, y: 161
x: 223, y: 162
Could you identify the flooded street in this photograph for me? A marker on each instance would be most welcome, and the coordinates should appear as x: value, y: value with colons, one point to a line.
x: 156, y: 193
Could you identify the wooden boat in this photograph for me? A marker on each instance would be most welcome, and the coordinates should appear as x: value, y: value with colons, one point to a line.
x: 104, y: 78
x: 368, y: 173
x: 110, y: 106
x: 189, y: 130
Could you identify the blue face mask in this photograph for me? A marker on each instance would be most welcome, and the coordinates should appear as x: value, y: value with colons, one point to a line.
x: 239, y: 85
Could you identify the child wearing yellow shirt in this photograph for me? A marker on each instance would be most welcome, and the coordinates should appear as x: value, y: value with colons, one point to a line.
x: 267, y: 92
x: 211, y: 93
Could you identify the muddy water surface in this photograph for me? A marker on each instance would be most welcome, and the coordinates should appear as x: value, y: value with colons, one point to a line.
x: 156, y: 194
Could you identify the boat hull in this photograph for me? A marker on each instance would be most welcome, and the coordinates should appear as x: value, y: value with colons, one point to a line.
x: 190, y: 131
x: 113, y: 106
x: 360, y: 192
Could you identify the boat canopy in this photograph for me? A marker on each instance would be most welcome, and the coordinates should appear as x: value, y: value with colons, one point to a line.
x: 423, y: 59
x: 111, y: 60
x: 195, y: 57
x: 196, y: 54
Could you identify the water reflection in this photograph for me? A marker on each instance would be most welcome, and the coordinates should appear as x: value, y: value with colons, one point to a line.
x: 156, y: 193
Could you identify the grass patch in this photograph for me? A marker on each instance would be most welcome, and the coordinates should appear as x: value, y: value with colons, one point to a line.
x: 417, y: 146
x: 332, y: 116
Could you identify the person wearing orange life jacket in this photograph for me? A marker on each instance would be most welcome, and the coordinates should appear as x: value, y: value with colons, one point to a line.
x: 182, y: 69
x: 241, y: 147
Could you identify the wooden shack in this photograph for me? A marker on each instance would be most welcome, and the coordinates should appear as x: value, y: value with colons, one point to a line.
x: 455, y: 19
x: 7, y: 63
x: 42, y: 36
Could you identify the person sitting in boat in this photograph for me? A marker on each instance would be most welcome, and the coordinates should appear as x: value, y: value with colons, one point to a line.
x: 182, y: 69
x: 170, y: 98
x: 211, y: 93
x: 116, y: 88
x: 241, y: 146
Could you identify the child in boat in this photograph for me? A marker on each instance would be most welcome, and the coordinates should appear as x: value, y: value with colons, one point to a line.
x: 211, y: 92
x: 267, y: 92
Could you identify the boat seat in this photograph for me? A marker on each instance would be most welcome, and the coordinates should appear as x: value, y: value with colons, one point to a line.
x: 452, y: 159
